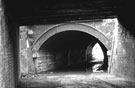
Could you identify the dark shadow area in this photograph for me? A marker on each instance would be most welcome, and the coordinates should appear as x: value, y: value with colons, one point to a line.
x: 126, y: 17
x: 67, y: 52
x: 30, y: 12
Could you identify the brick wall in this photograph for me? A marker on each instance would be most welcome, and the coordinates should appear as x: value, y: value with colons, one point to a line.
x: 45, y: 61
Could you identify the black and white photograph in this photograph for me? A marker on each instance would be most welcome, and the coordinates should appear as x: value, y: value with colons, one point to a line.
x: 67, y: 44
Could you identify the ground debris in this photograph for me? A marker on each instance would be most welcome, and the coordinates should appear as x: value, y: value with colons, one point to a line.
x: 77, y: 81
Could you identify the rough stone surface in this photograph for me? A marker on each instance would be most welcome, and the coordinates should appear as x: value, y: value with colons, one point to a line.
x: 6, y: 55
x: 123, y: 63
x: 76, y: 80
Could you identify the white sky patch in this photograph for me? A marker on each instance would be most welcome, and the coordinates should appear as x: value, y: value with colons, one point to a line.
x: 97, y: 53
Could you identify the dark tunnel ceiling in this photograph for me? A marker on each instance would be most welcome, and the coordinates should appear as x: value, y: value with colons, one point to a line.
x: 68, y: 39
x: 30, y: 11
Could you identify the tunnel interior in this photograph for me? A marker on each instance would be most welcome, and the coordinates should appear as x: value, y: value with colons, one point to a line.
x: 70, y: 51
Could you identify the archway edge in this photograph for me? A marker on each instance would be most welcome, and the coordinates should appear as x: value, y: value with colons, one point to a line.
x: 70, y: 27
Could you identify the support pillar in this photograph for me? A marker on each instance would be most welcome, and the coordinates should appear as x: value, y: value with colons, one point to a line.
x: 6, y: 54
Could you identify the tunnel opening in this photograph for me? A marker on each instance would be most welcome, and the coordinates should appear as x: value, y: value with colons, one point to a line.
x: 71, y: 51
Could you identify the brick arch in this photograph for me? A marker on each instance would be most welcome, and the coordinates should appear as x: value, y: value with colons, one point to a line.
x: 70, y: 27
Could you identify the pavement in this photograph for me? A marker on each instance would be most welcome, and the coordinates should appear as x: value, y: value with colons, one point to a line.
x: 74, y: 80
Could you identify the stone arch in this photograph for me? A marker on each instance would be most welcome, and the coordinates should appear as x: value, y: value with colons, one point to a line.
x: 70, y: 27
